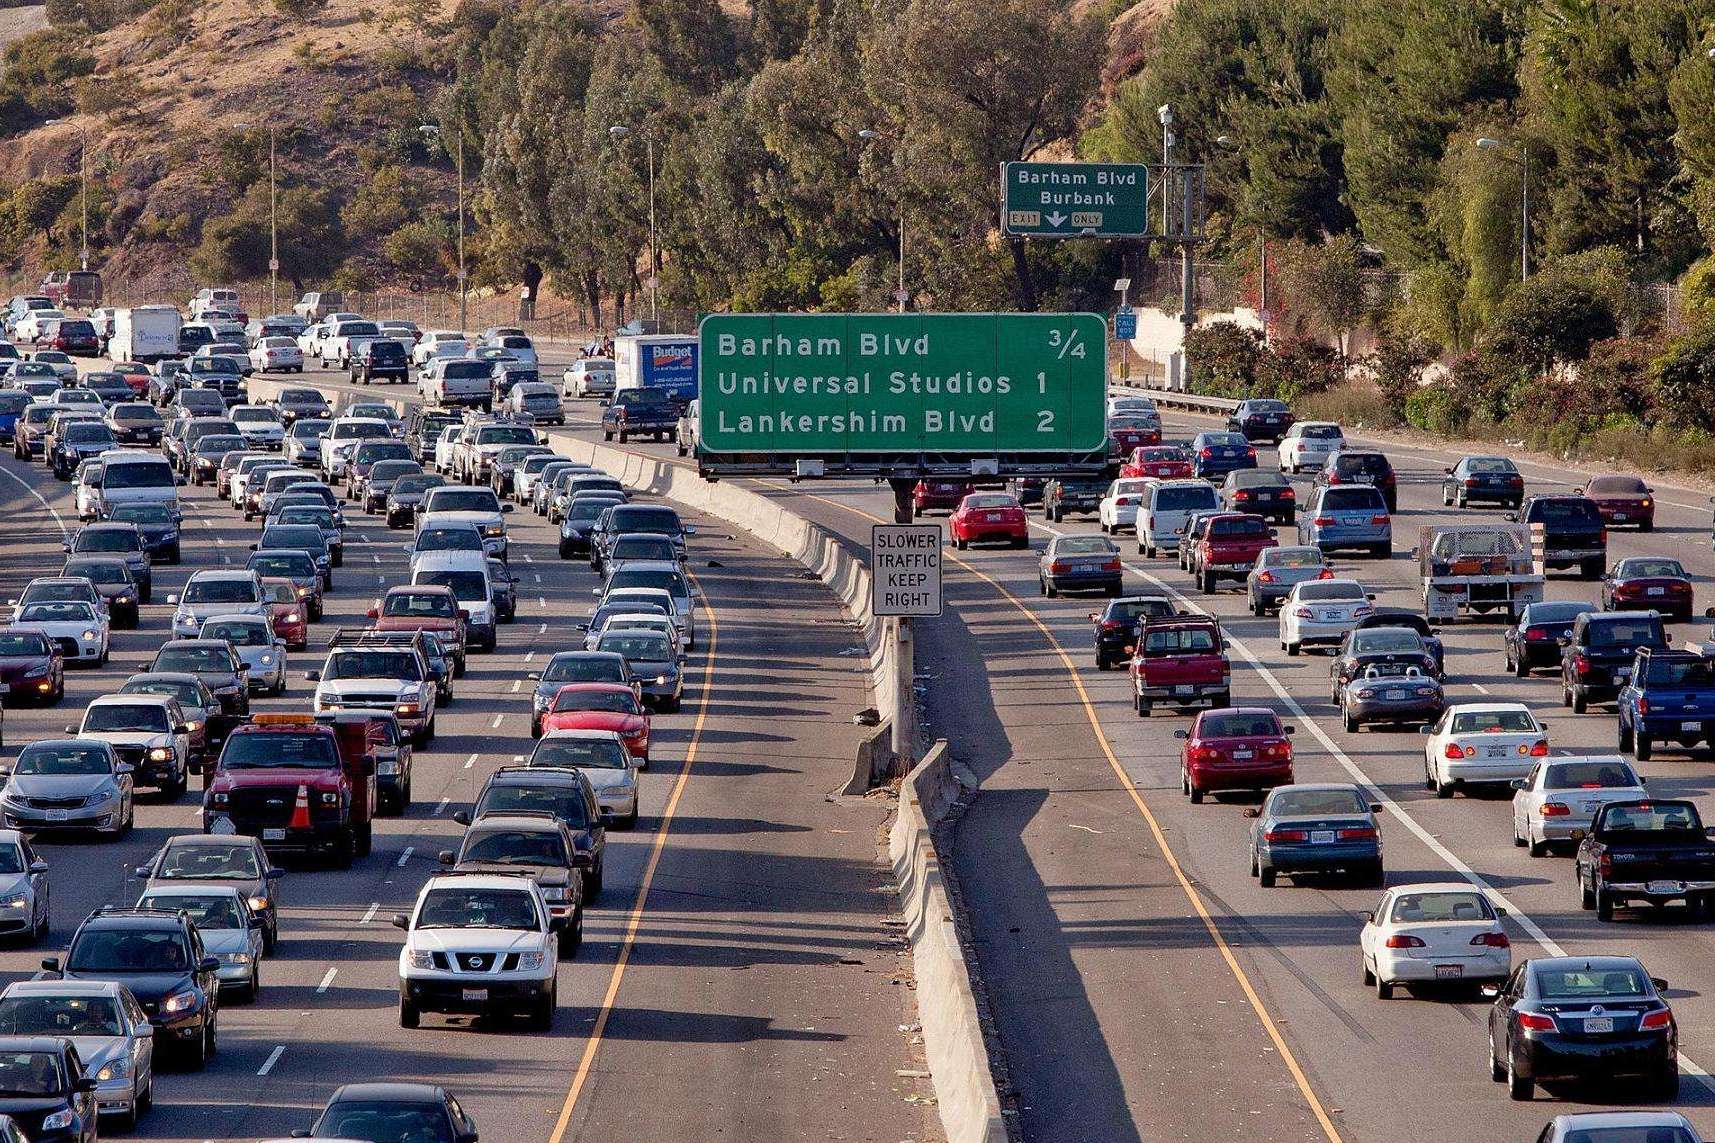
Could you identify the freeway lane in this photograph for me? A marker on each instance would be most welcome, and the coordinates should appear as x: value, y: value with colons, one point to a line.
x: 761, y: 953
x: 1078, y: 947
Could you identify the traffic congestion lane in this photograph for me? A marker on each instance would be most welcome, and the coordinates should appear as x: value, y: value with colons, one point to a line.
x: 335, y: 976
x: 1484, y: 844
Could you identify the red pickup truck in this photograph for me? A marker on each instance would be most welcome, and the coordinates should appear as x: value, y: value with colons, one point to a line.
x: 1180, y: 660
x: 1228, y: 548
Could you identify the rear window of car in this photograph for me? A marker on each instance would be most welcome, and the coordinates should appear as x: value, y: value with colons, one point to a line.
x: 1363, y: 497
x: 1183, y: 497
x: 1320, y: 432
x: 1239, y: 724
x: 1493, y: 722
x: 1625, y: 633
x: 1178, y: 640
x: 1599, y: 486
x: 1369, y: 463
x: 1568, y: 511
x: 1133, y: 608
x: 1608, y: 775
x: 1238, y: 527
x: 1331, y: 590
x: 1681, y: 673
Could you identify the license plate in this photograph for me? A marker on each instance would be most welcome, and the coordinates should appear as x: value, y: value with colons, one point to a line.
x: 1691, y: 727
x: 1363, y: 480
x: 1665, y: 886
x: 1083, y: 567
x: 1394, y: 696
x: 1598, y: 1023
x: 1619, y: 515
x: 992, y: 517
x: 58, y: 815
x: 475, y: 994
x: 1243, y: 755
x: 273, y: 835
x: 1321, y: 836
x: 1589, y: 807
x: 1330, y: 616
x: 1495, y: 752
x: 1655, y: 591
x: 1449, y: 971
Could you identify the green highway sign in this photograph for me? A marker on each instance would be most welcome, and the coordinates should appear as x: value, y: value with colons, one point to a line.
x: 1075, y: 200
x: 965, y: 384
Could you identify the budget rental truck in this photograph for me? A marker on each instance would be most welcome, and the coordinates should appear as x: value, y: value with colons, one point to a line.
x: 664, y: 361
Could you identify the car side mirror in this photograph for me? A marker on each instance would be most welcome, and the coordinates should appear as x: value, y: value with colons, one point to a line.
x: 446, y: 857
x: 1520, y: 784
x: 1253, y: 812
x: 1290, y: 730
x: 84, y: 1083
x: 172, y: 599
x: 1375, y: 807
x: 312, y: 676
x: 1369, y: 917
x: 274, y: 874
x: 38, y: 866
x: 373, y: 613
x: 465, y: 1137
x: 1448, y: 470
x: 1576, y: 836
x: 1658, y: 982
x: 534, y: 676
x: 180, y: 480
x: 464, y: 613
x: 1511, y: 517
x: 506, y: 507
x: 257, y: 920
x: 462, y: 818
x: 124, y: 768
x: 140, y: 871
x: 1500, y: 911
x: 1181, y: 734
x: 1425, y: 729
x: 1490, y: 991
x: 181, y: 728
x: 400, y: 921
x: 209, y: 964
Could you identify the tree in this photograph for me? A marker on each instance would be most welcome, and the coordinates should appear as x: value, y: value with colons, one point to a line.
x: 1683, y: 377
x: 1397, y: 364
x: 692, y: 40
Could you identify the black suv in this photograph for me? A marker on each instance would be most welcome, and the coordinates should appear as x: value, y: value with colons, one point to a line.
x: 1596, y: 659
x: 1572, y: 532
x: 423, y: 428
x: 1361, y: 466
x: 566, y: 794
x: 159, y: 956
x: 1066, y: 494
x: 528, y: 843
x: 382, y: 360
x: 1261, y: 419
x: 1117, y: 627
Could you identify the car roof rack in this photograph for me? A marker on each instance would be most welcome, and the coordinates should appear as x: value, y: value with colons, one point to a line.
x: 370, y: 637
x: 545, y: 815
x: 534, y: 771
x: 135, y: 911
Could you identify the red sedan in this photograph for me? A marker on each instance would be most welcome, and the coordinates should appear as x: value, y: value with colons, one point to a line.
x: 1623, y: 501
x: 1652, y: 582
x: 287, y: 612
x: 601, y: 706
x: 1163, y: 462
x: 1129, y: 433
x: 1239, y: 748
x: 989, y: 516
x: 938, y: 495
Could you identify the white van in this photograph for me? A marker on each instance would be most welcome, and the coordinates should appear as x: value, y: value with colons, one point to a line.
x: 1170, y: 504
x: 144, y: 333
x: 466, y: 574
x: 131, y: 476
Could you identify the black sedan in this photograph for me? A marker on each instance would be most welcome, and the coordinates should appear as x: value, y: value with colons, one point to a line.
x: 386, y: 1112
x: 1262, y: 491
x: 1390, y: 647
x: 1261, y: 419
x: 1648, y: 582
x: 1582, y: 1018
x: 1404, y: 617
x: 1534, y: 641
x: 44, y: 1091
x: 1116, y: 627
x: 1488, y: 479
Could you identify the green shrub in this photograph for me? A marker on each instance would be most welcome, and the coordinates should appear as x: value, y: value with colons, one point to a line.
x: 1222, y: 358
x: 1437, y: 409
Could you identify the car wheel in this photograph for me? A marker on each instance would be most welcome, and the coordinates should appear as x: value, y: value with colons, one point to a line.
x: 1534, y: 847
x: 1518, y: 1087
x: 409, y: 1016
x: 1141, y: 705
x: 1643, y: 747
x: 1443, y: 789
x: 1384, y: 990
x: 199, y: 1055
x: 1580, y: 702
x: 1291, y: 648
x: 1351, y: 722
x: 1265, y: 874
x: 1604, y: 904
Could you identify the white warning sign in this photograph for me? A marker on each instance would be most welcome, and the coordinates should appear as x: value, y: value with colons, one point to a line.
x: 905, y: 569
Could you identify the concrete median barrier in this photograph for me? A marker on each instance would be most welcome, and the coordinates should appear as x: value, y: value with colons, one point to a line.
x: 965, y: 1091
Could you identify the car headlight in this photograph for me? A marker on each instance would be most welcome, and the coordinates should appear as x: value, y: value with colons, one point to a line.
x: 123, y: 599
x: 89, y: 635
x: 303, y: 592
x: 161, y: 754
x: 539, y: 701
x: 15, y: 901
x: 292, y: 617
x: 387, y: 767
x: 494, y: 530
x: 116, y: 1069
x: 409, y: 708
x: 58, y: 1121
x: 422, y: 959
x: 329, y: 797
x: 266, y: 659
x: 218, y: 798
x: 180, y: 1002
x: 194, y: 724
x: 258, y: 902
x: 530, y: 961
x: 235, y: 958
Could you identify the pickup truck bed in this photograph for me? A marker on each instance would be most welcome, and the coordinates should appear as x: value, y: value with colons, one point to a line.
x: 1653, y: 852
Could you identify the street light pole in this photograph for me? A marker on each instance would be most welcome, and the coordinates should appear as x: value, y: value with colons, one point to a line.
x: 273, y: 228
x: 654, y: 281
x: 1523, y: 161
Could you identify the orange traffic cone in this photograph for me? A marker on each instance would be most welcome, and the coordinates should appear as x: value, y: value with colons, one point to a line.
x: 301, y: 810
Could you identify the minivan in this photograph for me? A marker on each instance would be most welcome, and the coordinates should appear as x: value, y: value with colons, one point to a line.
x: 133, y: 477
x: 1161, y: 523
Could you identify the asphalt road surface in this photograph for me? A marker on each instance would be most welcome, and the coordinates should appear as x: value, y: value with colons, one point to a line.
x: 738, y: 979
x: 1145, y: 986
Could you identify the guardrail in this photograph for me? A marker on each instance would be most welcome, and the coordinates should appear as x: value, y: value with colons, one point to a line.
x: 1173, y: 399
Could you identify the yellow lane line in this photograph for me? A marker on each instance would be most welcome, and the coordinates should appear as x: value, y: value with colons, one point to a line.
x: 635, y: 920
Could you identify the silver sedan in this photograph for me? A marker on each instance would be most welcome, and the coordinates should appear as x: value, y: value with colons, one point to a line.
x: 1563, y: 795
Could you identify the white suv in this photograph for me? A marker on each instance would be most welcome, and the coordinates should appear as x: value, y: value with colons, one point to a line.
x: 481, y: 944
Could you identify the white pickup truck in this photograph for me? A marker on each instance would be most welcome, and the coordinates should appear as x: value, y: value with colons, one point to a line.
x: 1478, y: 568
x: 345, y: 340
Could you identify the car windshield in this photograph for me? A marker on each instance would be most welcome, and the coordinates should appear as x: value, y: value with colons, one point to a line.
x: 239, y: 634
x: 128, y: 950
x: 1653, y: 1133
x: 36, y: 1015
x: 1493, y: 722
x: 459, y: 500
x: 1626, y: 633
x: 289, y: 565
x: 210, y: 861
x: 20, y: 644
x: 1183, y: 497
x: 139, y: 513
x: 1239, y: 724
x: 360, y: 430
x: 588, y: 507
x: 417, y: 483
x: 307, y: 430
x: 1331, y: 591
x: 316, y: 514
x: 1651, y: 567
x: 86, y: 431
x: 506, y: 434
x: 661, y: 548
x: 995, y: 500
x: 107, y: 540
x: 63, y: 760
x: 1304, y: 803
x: 1450, y: 905
x: 56, y: 611
x: 1293, y: 558
x: 100, y: 717
x: 419, y: 604
x: 613, y: 702
x: 187, y: 692
x: 583, y: 753
x: 1361, y: 464
x: 141, y: 413
x: 466, y: 585
x: 564, y: 801
x: 98, y: 571
x: 1587, y: 981
x: 1380, y: 641
x: 220, y: 591
x: 260, y: 751
x: 192, y: 660
x: 463, y: 909
x: 514, y: 847
x: 30, y: 1073
x: 207, y: 910
x: 374, y: 664
x: 241, y: 414
x: 1608, y: 775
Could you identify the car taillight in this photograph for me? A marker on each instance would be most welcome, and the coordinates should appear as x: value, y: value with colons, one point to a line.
x: 1605, y: 865
x: 1205, y: 754
x: 1325, y: 573
x: 1288, y: 494
x: 1643, y: 705
x: 1304, y: 613
x: 1125, y: 500
x: 1277, y: 751
x: 1537, y: 749
x: 1581, y: 664
x: 1472, y: 482
x: 1535, y: 633
x: 1379, y: 518
x: 1405, y: 941
x: 1556, y: 810
x: 1057, y: 568
x: 1205, y: 452
x: 1655, y: 1020
x: 1455, y: 751
x: 1323, y: 521
x: 1334, y: 478
x: 1265, y: 577
x: 1242, y: 494
x: 1112, y: 565
x: 1515, y: 479
x: 1530, y: 1021
x: 1602, y: 535
x: 1492, y: 940
x: 1357, y: 833
x: 1114, y: 625
x: 1286, y: 835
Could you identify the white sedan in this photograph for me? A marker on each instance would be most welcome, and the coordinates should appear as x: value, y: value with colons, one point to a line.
x: 77, y: 627
x: 1481, y: 742
x: 30, y: 327
x: 1308, y: 444
x: 1321, y: 611
x: 1564, y: 794
x: 1118, y: 509
x: 280, y: 353
x: 1131, y: 405
x: 438, y: 343
x: 1421, y: 934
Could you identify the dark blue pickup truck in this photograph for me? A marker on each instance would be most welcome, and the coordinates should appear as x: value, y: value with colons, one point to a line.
x: 1669, y: 698
x: 641, y: 412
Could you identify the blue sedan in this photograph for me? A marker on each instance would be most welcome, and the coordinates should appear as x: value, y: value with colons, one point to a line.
x: 1213, y: 455
x: 1316, y: 829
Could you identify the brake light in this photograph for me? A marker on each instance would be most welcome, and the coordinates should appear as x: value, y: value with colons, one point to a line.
x: 1581, y: 664
x: 1206, y: 452
x: 1288, y: 494
x: 1538, y: 749
x: 1605, y: 865
x: 1532, y: 1022
x: 1492, y: 940
x: 1323, y: 521
x: 1242, y: 494
x: 1057, y: 567
x: 1125, y: 500
x: 1472, y: 482
x: 1357, y: 833
x: 1405, y: 941
x: 1334, y: 478
x: 1279, y: 752
x: 1114, y: 625
x: 1602, y: 535
x: 1304, y: 613
x: 1643, y: 705
x: 1325, y: 573
x: 1536, y: 632
x: 1112, y: 565
x: 1379, y: 518
x: 1265, y: 577
x: 1654, y: 1020
x: 1556, y: 810
x: 1286, y: 835
x: 1455, y: 751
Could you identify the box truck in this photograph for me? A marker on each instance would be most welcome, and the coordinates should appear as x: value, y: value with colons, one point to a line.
x: 145, y: 333
x: 664, y: 361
